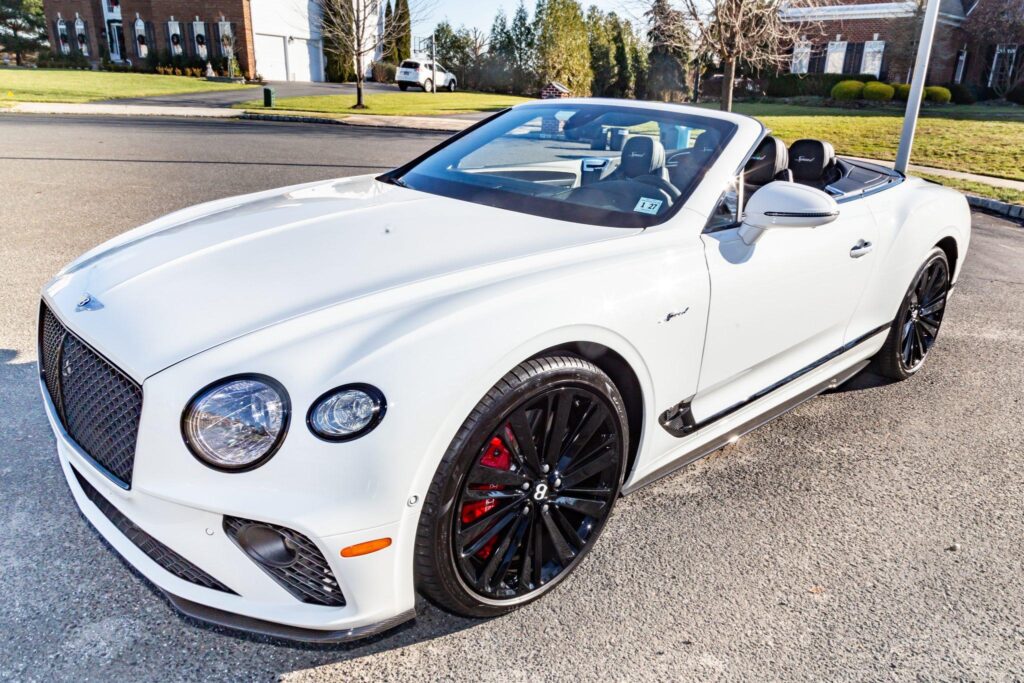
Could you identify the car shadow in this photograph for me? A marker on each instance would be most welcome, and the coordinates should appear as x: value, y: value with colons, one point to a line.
x: 85, y: 590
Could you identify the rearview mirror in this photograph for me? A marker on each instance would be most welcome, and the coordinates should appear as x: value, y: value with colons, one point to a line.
x: 782, y: 204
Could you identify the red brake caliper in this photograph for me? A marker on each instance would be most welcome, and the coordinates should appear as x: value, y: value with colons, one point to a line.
x: 498, y: 457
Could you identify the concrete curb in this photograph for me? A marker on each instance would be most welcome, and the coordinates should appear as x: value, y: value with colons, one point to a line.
x: 119, y: 110
x: 396, y: 122
x: 995, y: 206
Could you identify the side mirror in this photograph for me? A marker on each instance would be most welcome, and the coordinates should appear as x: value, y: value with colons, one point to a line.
x: 786, y: 205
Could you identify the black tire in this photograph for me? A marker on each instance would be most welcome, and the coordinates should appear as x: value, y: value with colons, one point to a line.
x: 428, y: 85
x: 451, y: 85
x: 916, y: 327
x: 403, y: 87
x: 524, y: 557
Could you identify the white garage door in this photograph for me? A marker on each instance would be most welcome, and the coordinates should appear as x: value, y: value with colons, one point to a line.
x: 304, y: 60
x: 270, y: 57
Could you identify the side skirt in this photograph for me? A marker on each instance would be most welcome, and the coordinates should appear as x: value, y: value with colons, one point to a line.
x: 753, y: 423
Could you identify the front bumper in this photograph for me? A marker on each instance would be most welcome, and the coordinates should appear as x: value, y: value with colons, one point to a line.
x: 249, y: 600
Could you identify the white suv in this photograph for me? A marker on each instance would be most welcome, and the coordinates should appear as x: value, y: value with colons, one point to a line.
x: 421, y: 74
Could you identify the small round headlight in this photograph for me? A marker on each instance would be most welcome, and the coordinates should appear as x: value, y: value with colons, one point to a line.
x: 347, y: 412
x: 236, y: 423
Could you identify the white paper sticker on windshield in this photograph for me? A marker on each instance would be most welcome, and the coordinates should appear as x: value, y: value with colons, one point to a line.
x: 647, y: 205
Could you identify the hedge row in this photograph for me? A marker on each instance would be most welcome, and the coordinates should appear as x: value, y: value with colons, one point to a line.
x: 877, y: 91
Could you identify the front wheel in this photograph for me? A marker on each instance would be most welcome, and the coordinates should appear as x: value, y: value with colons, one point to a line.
x: 451, y: 85
x: 917, y: 323
x: 525, y: 488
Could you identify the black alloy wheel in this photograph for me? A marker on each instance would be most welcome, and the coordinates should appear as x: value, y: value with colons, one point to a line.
x: 526, y: 491
x: 917, y: 324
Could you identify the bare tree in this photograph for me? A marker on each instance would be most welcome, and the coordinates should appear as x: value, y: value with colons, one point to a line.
x: 1000, y: 24
x: 356, y: 29
x: 754, y: 33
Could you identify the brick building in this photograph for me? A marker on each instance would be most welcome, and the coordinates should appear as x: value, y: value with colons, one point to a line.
x: 880, y: 38
x: 277, y: 39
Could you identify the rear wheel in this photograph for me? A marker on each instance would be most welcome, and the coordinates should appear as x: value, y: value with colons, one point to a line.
x: 525, y: 488
x: 428, y: 85
x: 917, y: 323
x: 403, y: 87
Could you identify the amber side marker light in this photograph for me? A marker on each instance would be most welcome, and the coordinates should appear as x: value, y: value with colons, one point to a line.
x: 365, y: 548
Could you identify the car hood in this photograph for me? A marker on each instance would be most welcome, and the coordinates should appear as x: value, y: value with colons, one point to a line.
x: 204, y: 276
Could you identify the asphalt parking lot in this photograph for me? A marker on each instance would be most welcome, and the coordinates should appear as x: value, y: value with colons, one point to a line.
x: 876, y: 532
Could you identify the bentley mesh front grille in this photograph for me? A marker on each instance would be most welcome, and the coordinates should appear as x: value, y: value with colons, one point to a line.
x: 154, y: 549
x: 309, y: 578
x: 98, y: 405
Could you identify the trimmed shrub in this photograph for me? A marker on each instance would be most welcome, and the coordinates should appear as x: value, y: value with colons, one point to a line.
x: 961, y: 94
x: 801, y: 85
x: 1016, y: 94
x: 847, y: 90
x: 878, y: 91
x: 938, y: 94
x: 902, y: 91
x: 383, y: 72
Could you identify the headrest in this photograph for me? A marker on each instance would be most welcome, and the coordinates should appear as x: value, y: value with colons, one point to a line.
x: 809, y: 159
x: 770, y: 159
x: 641, y: 155
x: 706, y: 145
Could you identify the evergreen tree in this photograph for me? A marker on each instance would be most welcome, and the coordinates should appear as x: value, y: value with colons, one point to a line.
x: 22, y: 27
x: 497, y: 71
x: 403, y: 31
x: 666, y: 72
x: 388, y: 49
x: 563, y: 53
x: 522, y: 42
x: 624, y: 76
x: 602, y: 52
x: 638, y: 60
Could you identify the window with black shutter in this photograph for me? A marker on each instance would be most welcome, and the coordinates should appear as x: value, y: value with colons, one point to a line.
x: 854, y: 57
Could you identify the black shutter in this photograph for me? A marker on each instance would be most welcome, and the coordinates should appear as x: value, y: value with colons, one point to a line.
x: 854, y: 58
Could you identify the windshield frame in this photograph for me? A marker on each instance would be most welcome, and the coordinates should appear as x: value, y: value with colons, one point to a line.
x: 556, y: 208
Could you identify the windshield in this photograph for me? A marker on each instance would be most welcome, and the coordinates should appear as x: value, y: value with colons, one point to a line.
x: 587, y: 163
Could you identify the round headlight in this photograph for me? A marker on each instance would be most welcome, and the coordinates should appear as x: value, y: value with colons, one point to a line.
x: 236, y: 423
x: 347, y: 412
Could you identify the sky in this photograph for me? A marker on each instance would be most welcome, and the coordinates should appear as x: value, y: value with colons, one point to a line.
x: 480, y: 13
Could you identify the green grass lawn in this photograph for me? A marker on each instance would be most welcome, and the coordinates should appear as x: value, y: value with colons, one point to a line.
x: 974, y: 139
x: 56, y: 85
x: 1003, y: 194
x: 395, y: 103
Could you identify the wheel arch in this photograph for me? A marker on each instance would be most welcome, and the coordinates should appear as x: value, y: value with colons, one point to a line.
x: 949, y: 246
x: 625, y: 379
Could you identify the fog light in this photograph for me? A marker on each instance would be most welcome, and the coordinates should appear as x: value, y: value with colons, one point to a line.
x: 267, y: 546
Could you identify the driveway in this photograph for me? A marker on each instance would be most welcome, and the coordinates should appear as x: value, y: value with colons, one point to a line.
x: 875, y: 533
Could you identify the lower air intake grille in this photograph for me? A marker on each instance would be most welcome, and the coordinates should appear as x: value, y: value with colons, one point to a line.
x: 306, y: 575
x: 154, y: 549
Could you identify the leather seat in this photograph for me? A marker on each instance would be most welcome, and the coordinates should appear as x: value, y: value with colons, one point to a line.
x: 689, y: 165
x: 641, y: 155
x: 813, y: 162
x: 769, y: 162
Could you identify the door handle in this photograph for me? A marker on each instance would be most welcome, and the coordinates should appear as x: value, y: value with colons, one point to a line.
x: 862, y: 247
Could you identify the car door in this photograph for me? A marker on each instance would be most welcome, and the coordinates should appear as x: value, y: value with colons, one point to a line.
x: 780, y: 304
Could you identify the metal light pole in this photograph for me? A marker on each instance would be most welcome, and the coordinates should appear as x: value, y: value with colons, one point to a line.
x: 924, y: 51
x: 433, y: 61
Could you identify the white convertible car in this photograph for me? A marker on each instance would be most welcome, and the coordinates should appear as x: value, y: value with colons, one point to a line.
x: 294, y: 409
